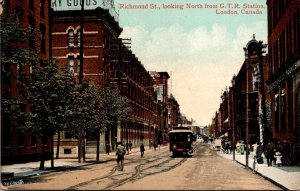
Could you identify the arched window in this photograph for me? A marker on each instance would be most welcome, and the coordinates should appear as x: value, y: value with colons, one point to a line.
x: 71, y: 38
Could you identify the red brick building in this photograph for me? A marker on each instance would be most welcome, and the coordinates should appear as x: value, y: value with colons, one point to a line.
x: 161, y: 88
x: 245, y: 82
x: 284, y: 81
x: 223, y: 114
x: 16, y: 147
x: 108, y: 62
x: 173, y: 113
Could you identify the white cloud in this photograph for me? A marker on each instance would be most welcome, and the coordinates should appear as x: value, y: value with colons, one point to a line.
x: 202, y: 61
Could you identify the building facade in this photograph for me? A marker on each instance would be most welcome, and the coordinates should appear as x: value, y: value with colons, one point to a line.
x: 173, y: 112
x: 161, y: 87
x: 284, y: 64
x: 107, y: 62
x: 15, y: 146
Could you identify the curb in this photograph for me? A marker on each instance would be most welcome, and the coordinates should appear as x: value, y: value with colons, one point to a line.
x: 26, y: 175
x: 265, y: 177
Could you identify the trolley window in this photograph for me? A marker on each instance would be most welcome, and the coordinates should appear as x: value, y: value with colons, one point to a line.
x: 180, y: 137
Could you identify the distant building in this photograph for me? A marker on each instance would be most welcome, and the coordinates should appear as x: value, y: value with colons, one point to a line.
x: 173, y: 112
x: 161, y: 87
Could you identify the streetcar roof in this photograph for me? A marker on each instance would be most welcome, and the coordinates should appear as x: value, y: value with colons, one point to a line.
x: 180, y: 131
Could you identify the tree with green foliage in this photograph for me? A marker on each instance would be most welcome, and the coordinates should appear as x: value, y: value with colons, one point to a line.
x: 49, y: 93
x: 17, y: 46
x: 98, y: 122
x: 85, y: 114
x: 117, y: 109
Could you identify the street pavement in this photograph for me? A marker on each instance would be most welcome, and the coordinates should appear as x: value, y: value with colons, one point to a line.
x: 285, y: 177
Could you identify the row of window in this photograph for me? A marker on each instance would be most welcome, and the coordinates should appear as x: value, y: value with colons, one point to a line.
x: 286, y: 45
x: 42, y: 6
x: 32, y: 24
x: 283, y: 108
x: 276, y: 12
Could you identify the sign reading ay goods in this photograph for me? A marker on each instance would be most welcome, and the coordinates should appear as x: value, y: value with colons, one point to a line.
x: 62, y: 5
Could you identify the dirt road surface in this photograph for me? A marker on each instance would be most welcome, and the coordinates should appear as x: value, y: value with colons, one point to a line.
x: 205, y: 170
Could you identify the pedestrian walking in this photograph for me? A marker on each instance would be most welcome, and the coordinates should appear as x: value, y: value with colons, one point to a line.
x: 107, y: 148
x: 142, y: 149
x: 130, y: 145
x: 242, y: 147
x: 259, y: 151
x: 286, y: 152
x: 127, y: 148
x: 120, y: 152
x: 155, y: 146
x: 269, y: 153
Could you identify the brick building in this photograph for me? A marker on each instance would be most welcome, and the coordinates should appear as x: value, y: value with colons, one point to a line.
x: 245, y: 82
x: 223, y: 114
x: 17, y: 147
x: 173, y: 112
x: 284, y: 81
x: 108, y: 62
x: 161, y: 87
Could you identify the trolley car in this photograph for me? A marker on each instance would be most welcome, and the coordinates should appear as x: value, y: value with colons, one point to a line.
x: 181, y: 139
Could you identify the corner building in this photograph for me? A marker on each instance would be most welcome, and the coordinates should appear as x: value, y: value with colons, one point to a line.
x: 284, y: 81
x: 15, y: 146
x: 108, y: 62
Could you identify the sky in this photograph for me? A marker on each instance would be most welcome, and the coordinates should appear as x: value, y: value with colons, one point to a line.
x: 200, y: 49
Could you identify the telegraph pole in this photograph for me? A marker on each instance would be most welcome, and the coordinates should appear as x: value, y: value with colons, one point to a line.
x: 81, y: 146
x: 81, y: 42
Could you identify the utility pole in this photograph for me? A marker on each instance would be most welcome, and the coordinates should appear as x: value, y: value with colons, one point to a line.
x: 81, y: 42
x: 81, y: 146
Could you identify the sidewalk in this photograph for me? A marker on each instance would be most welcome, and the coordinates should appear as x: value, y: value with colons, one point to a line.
x: 287, y: 177
x: 65, y: 161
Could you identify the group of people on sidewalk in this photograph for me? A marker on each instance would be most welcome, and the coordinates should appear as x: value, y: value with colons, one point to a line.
x: 276, y: 152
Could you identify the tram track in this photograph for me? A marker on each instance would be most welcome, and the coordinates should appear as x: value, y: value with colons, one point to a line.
x: 158, y: 163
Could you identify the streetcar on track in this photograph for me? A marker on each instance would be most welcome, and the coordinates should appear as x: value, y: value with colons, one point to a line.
x: 181, y: 139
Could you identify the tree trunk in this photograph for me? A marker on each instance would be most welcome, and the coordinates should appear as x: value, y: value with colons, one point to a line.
x: 52, y: 150
x: 42, y: 164
x: 83, y: 149
x: 98, y: 145
x: 58, y: 145
x: 79, y: 149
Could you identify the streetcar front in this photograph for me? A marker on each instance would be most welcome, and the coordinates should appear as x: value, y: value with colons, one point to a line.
x: 180, y: 141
